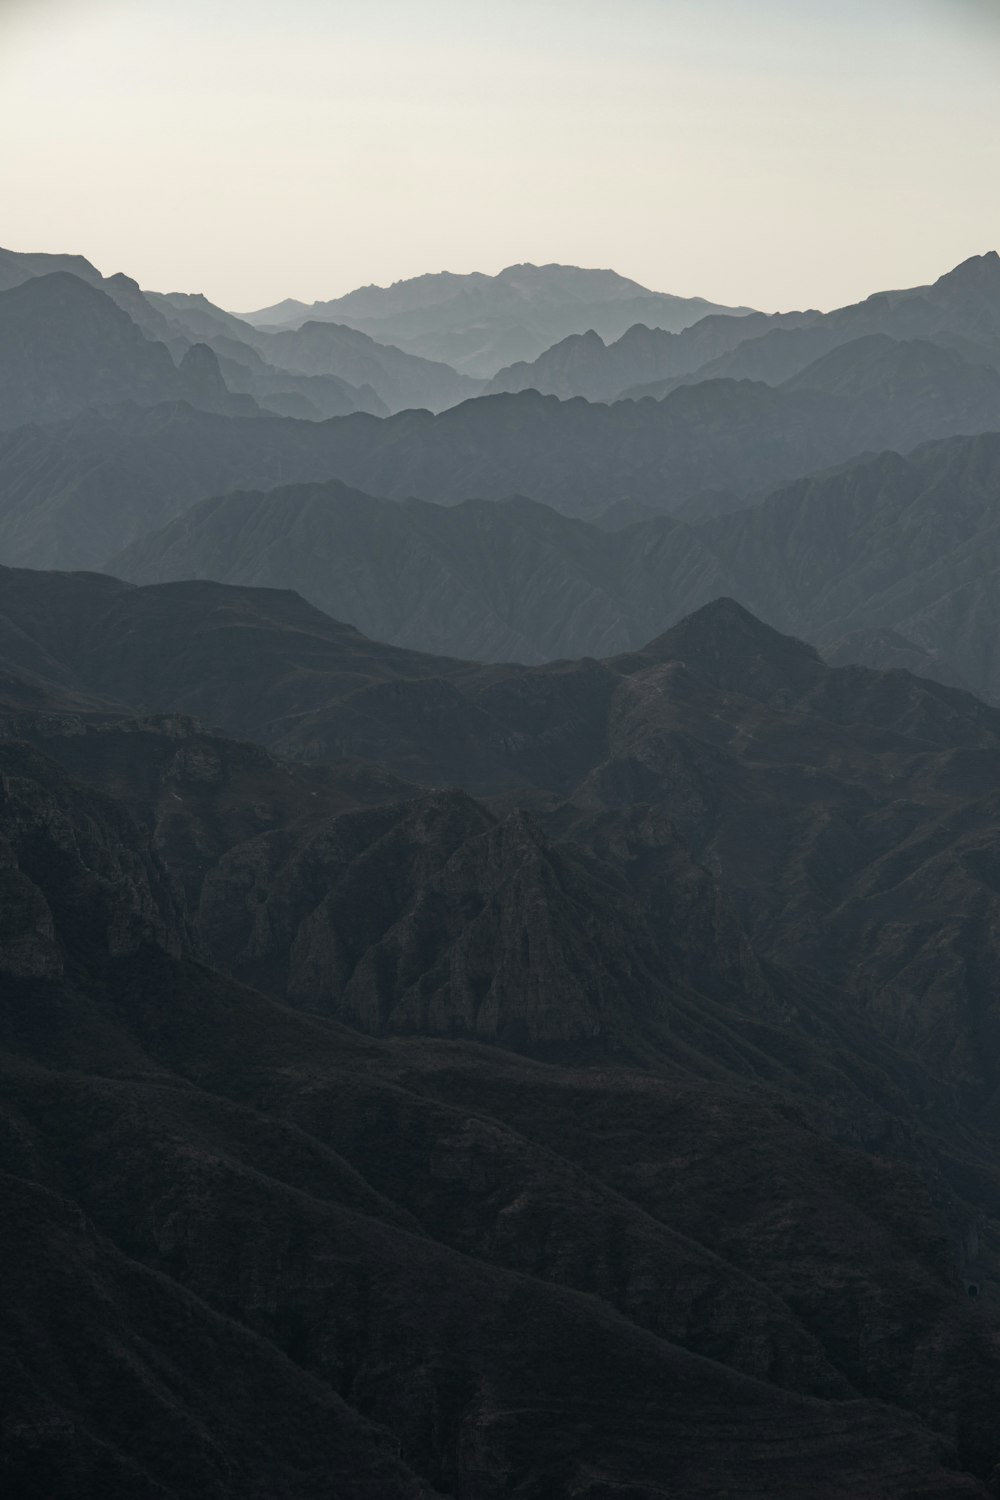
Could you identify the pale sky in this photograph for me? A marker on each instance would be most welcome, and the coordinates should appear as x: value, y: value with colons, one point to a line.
x: 780, y: 153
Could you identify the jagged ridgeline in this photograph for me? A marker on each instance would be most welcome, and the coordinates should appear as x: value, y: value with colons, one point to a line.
x: 499, y: 892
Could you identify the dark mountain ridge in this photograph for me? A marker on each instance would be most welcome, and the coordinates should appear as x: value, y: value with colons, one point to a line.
x: 154, y: 1108
x: 706, y: 826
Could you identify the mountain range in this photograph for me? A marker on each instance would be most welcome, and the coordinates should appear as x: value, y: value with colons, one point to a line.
x: 884, y: 554
x: 317, y: 368
x: 959, y: 311
x: 60, y: 330
x: 69, y: 494
x: 499, y: 892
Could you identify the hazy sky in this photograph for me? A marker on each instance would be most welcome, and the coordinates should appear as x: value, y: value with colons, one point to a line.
x: 775, y: 152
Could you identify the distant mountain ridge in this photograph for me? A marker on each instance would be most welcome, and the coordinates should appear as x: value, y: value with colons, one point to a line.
x: 320, y: 372
x: 477, y: 322
x: 300, y: 360
x: 583, y: 364
x: 961, y: 310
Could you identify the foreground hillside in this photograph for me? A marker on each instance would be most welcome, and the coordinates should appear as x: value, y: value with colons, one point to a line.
x: 653, y: 1073
x: 220, y: 1281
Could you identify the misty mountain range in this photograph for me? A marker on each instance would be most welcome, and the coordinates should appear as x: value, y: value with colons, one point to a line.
x: 499, y: 892
x: 144, y: 443
x: 960, y: 311
x: 872, y: 556
x: 479, y: 323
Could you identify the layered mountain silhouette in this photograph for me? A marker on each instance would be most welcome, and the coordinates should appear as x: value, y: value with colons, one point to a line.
x: 479, y: 323
x: 317, y: 372
x: 745, y: 1236
x: 16, y: 268
x: 961, y: 310
x: 301, y: 360
x: 69, y: 493
x: 889, y: 561
x: 19, y: 266
x: 65, y: 346
x: 646, y: 359
x: 486, y: 1008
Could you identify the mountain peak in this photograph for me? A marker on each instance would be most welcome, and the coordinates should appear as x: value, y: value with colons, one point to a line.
x: 201, y: 363
x: 204, y: 386
x: 60, y: 283
x: 977, y: 273
x: 728, y: 646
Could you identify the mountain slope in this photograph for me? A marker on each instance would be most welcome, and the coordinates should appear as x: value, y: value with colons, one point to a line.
x: 496, y: 581
x: 157, y: 1348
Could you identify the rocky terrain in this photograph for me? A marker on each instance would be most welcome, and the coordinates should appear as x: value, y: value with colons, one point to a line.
x: 615, y: 1121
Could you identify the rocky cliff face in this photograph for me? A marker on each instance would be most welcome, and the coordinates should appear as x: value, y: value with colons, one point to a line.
x: 74, y: 868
